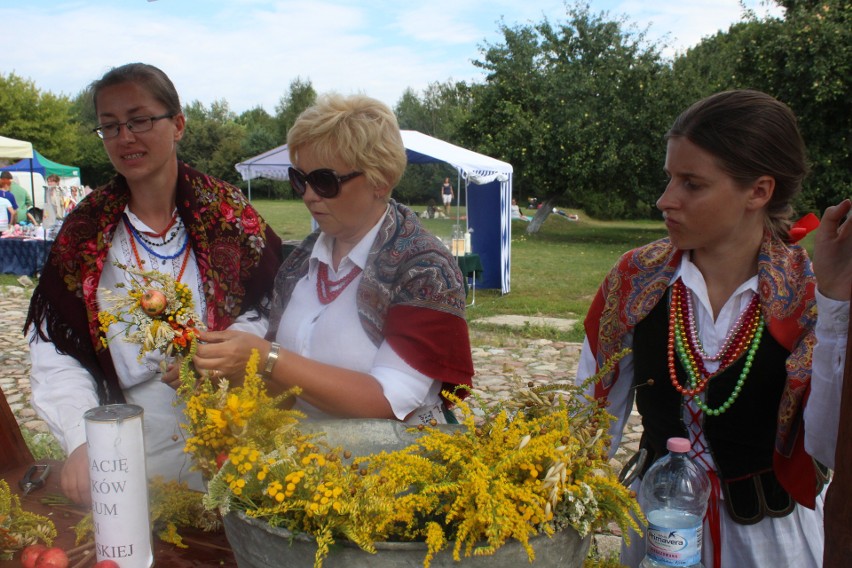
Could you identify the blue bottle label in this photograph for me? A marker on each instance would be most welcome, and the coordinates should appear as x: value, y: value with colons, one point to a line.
x: 675, y: 547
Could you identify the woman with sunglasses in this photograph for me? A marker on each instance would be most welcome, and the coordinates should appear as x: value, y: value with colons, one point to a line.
x: 155, y: 214
x: 737, y: 339
x: 368, y: 313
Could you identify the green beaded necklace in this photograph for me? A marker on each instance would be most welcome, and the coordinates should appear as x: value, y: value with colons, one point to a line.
x: 693, y: 380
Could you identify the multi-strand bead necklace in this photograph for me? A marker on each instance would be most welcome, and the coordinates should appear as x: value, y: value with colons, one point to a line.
x: 327, y: 289
x: 134, y: 235
x: 743, y: 338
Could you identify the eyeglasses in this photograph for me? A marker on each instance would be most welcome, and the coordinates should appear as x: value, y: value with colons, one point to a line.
x: 135, y: 124
x: 325, y: 182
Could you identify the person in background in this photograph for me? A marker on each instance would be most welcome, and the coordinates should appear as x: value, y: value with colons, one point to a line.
x: 155, y: 214
x: 55, y: 197
x: 5, y: 205
x: 516, y: 211
x: 447, y: 195
x: 22, y: 197
x: 569, y: 216
x: 6, y: 193
x: 35, y: 215
x: 735, y: 343
x: 368, y: 315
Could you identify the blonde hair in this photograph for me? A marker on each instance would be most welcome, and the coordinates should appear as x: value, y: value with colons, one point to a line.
x: 357, y: 130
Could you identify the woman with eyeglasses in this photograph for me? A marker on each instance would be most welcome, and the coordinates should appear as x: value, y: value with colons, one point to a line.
x: 368, y: 315
x: 155, y: 214
x: 737, y: 339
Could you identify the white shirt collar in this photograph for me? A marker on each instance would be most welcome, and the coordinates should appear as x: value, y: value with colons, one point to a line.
x: 357, y: 256
x: 694, y: 280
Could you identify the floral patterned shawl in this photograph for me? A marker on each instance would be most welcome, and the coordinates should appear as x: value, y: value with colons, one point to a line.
x: 411, y: 295
x: 236, y: 252
x: 786, y: 285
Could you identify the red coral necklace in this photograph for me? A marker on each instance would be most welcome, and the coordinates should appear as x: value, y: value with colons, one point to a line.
x: 328, y: 290
x: 162, y: 234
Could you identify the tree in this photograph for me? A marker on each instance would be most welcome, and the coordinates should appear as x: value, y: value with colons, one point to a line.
x: 439, y: 113
x: 804, y: 60
x: 508, y: 119
x: 807, y: 63
x: 575, y: 108
x: 261, y: 135
x: 213, y: 140
x: 44, y: 119
x: 95, y: 167
x: 300, y: 96
x: 261, y: 131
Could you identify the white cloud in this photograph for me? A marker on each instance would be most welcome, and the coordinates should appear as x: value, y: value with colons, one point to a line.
x: 248, y: 51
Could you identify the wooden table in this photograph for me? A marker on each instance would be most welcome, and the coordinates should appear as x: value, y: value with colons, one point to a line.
x: 205, y: 549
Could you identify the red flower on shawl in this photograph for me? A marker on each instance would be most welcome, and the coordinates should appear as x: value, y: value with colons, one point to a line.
x: 227, y: 211
x: 90, y: 284
x: 250, y: 221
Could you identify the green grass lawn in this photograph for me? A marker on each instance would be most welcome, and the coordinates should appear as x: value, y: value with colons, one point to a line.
x: 555, y: 272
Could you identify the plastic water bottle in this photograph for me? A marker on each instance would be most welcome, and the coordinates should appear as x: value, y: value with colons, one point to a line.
x: 674, y: 499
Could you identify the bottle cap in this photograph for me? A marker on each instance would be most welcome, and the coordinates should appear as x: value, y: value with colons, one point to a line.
x: 678, y: 445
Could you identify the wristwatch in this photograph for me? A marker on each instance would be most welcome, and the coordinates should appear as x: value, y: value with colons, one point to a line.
x: 270, y: 361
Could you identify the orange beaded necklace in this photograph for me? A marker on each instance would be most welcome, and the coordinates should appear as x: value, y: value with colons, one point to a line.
x: 131, y: 233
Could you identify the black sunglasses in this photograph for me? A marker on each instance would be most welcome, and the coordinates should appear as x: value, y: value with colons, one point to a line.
x: 325, y: 182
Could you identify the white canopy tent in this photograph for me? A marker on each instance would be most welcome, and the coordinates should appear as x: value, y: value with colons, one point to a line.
x: 15, y: 149
x: 488, y: 203
x: 20, y: 150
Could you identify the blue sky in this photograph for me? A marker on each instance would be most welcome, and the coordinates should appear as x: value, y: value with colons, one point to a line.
x: 248, y: 51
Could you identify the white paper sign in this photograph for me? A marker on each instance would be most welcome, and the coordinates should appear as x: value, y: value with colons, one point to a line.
x: 119, y: 485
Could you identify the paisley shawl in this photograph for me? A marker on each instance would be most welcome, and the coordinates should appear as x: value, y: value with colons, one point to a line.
x: 786, y: 286
x: 411, y: 294
x: 237, y: 256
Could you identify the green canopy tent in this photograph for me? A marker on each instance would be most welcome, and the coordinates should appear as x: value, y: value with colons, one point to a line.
x: 35, y: 163
x: 40, y: 164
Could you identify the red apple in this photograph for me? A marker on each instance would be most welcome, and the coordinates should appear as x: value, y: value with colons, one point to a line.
x: 30, y: 555
x: 52, y: 558
x: 153, y: 302
x: 106, y: 564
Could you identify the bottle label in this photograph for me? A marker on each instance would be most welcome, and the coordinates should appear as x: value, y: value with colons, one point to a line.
x: 675, y: 547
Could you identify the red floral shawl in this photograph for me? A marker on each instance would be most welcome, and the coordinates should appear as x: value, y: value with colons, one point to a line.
x: 236, y: 252
x: 786, y: 285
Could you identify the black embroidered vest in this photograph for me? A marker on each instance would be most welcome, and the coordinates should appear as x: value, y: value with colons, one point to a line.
x: 741, y: 440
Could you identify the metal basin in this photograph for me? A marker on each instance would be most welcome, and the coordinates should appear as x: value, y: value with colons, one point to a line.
x: 256, y: 544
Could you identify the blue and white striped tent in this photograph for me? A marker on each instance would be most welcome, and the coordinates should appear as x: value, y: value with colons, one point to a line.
x: 488, y: 184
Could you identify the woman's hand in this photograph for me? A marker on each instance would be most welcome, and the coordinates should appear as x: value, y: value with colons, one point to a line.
x: 74, y: 477
x: 833, y: 252
x: 226, y: 353
x: 172, y: 375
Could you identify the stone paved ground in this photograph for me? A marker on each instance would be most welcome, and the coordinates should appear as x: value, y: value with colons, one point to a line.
x: 498, y: 364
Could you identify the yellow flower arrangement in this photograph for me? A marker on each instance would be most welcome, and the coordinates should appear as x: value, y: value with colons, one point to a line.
x: 157, y: 312
x: 531, y: 465
x: 19, y: 528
